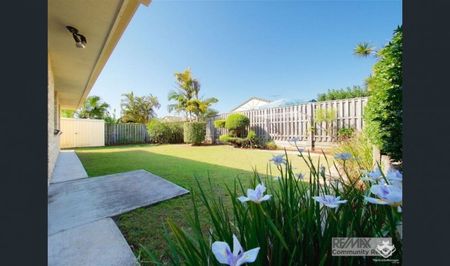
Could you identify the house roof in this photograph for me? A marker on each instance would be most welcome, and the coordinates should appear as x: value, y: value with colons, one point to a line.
x: 102, y: 22
x: 248, y: 100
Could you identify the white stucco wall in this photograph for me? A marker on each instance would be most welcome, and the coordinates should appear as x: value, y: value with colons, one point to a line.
x: 53, y: 110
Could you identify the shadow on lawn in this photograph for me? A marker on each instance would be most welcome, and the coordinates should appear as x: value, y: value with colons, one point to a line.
x: 146, y: 226
x: 175, y: 169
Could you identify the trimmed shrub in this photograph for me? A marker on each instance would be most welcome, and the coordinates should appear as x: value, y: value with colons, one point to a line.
x: 219, y: 123
x: 236, y: 124
x: 270, y: 145
x: 252, y: 140
x: 165, y: 132
x: 383, y: 113
x: 194, y: 132
x: 235, y: 141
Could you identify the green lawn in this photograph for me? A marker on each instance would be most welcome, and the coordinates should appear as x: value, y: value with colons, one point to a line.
x: 178, y: 164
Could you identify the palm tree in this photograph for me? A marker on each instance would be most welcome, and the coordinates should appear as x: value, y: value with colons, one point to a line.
x: 93, y: 108
x: 187, y: 99
x: 363, y: 49
x: 138, y: 109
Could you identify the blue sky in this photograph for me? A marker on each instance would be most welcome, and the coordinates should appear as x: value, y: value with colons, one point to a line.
x: 240, y: 49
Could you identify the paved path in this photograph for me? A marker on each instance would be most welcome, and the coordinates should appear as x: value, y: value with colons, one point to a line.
x: 67, y: 167
x: 78, y: 202
x: 96, y: 243
x: 80, y: 228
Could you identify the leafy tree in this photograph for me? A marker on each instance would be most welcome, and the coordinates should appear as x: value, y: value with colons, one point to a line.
x: 383, y: 113
x: 138, y: 109
x: 347, y: 93
x: 111, y: 118
x: 187, y: 100
x: 68, y: 113
x: 93, y: 108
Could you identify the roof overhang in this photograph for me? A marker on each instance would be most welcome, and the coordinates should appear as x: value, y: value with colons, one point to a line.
x: 103, y: 22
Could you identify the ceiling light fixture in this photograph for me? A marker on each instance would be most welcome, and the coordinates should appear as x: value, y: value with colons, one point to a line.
x: 80, y: 40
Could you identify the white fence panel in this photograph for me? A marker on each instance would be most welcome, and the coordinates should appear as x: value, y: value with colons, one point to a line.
x: 283, y: 123
x: 82, y: 133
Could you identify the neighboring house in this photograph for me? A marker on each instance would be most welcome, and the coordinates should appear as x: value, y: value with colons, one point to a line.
x: 170, y: 118
x: 72, y: 71
x: 258, y: 103
x: 252, y: 103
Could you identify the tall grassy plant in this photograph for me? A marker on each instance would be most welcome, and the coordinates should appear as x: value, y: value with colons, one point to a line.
x: 359, y: 146
x: 291, y: 227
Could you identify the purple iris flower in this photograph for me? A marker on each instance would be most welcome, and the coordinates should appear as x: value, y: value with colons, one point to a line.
x: 256, y: 195
x: 223, y: 254
x: 387, y: 195
x: 330, y: 200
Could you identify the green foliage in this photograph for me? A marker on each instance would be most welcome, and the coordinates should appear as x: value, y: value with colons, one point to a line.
x: 324, y: 115
x: 235, y: 141
x: 290, y: 228
x: 187, y: 99
x: 345, y: 133
x: 93, y: 108
x: 236, y: 124
x: 165, y: 132
x: 347, y: 93
x: 363, y: 49
x: 251, y: 141
x: 359, y: 146
x: 111, y: 119
x: 68, y: 113
x: 270, y: 145
x: 220, y: 123
x: 138, y: 109
x: 383, y: 113
x: 194, y: 132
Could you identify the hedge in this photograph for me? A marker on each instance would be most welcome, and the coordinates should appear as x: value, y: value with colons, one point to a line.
x: 165, y: 132
x: 194, y: 132
x: 383, y: 113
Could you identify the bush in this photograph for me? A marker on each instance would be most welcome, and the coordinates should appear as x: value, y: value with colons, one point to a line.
x: 165, y: 132
x: 235, y: 141
x: 345, y: 133
x: 359, y: 147
x: 383, y: 113
x: 219, y: 123
x: 236, y: 124
x: 194, y: 132
x: 295, y: 225
x: 251, y: 141
x: 270, y: 145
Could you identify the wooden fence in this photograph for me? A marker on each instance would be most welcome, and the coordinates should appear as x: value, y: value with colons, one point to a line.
x: 129, y: 133
x: 283, y: 123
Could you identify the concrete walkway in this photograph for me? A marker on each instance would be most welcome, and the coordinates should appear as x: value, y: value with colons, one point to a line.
x: 80, y: 228
x: 96, y: 243
x: 74, y: 203
x: 68, y: 167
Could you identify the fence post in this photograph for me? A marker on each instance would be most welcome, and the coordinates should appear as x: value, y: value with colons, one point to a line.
x: 310, y: 117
